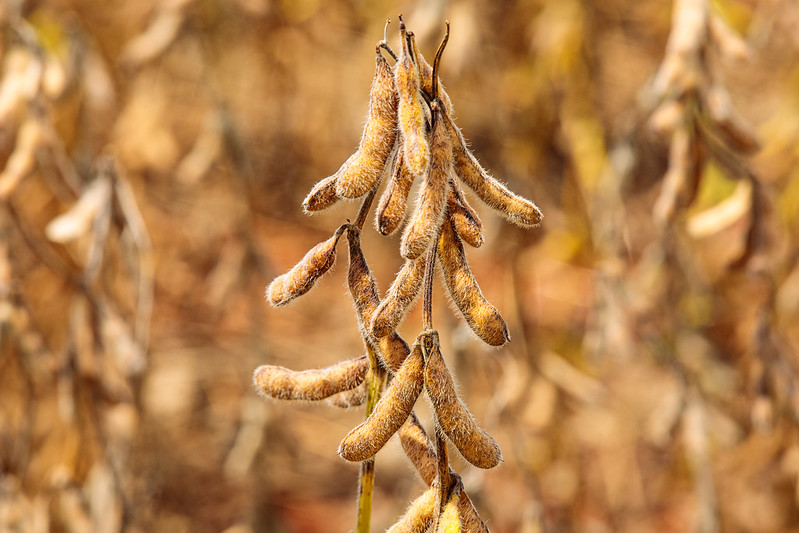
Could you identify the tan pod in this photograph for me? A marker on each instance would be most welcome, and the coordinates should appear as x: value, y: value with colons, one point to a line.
x: 449, y: 521
x: 419, y: 449
x: 363, y: 169
x: 411, y: 117
x: 476, y: 446
x: 284, y: 384
x: 423, y: 226
x: 419, y: 516
x: 482, y: 317
x: 301, y: 278
x: 390, y: 412
x: 390, y: 210
x: 322, y: 196
x: 399, y: 298
x: 464, y: 219
x: 363, y: 288
x: 514, y: 208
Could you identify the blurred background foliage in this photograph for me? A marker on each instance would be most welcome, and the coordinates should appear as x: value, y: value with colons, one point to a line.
x: 155, y: 155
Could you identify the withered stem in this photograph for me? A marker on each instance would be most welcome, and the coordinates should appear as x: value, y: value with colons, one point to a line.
x: 429, y: 270
x: 364, y: 210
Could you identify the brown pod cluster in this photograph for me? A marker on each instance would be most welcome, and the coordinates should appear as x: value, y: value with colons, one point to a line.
x: 426, y: 219
x: 410, y: 133
x: 476, y: 446
x: 419, y: 516
x: 390, y: 412
x: 284, y: 384
x: 482, y: 317
x: 363, y: 288
x: 301, y: 278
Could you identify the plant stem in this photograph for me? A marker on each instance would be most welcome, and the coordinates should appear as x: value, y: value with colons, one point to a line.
x: 364, y: 210
x: 366, y: 477
x: 443, y: 469
x: 374, y: 386
x: 429, y: 270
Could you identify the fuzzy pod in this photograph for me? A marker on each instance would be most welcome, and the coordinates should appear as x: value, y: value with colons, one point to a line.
x: 419, y: 516
x: 513, y: 207
x: 421, y: 451
x: 322, y: 196
x: 363, y: 169
x: 464, y: 219
x: 302, y: 276
x: 449, y: 521
x: 454, y: 419
x: 411, y: 117
x: 422, y: 229
x: 390, y: 412
x: 418, y: 448
x: 363, y: 289
x: 347, y: 399
x: 390, y: 210
x: 482, y: 317
x: 284, y: 384
x: 470, y: 519
x: 399, y: 298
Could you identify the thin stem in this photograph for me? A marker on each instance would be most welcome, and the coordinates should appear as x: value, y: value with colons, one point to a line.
x: 366, y: 477
x: 364, y: 210
x: 429, y: 269
x: 374, y: 386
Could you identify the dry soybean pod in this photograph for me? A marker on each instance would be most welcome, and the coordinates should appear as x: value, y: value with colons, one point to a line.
x: 284, y: 384
x: 431, y: 206
x: 482, y: 317
x: 363, y: 169
x: 363, y: 288
x: 454, y: 419
x: 514, y: 208
x: 322, y: 196
x: 351, y: 398
x: 420, y: 514
x: 470, y: 518
x: 390, y: 412
x: 449, y: 521
x: 464, y: 219
x: 301, y: 278
x: 420, y: 451
x: 391, y: 208
x: 411, y: 116
x: 399, y: 298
